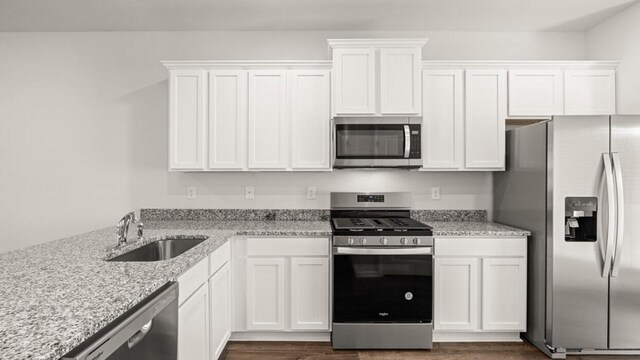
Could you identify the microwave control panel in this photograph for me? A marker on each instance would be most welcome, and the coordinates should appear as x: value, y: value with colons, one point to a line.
x: 416, y: 137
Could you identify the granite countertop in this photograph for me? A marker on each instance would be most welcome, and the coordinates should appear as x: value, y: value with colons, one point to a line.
x: 474, y: 228
x: 57, y: 294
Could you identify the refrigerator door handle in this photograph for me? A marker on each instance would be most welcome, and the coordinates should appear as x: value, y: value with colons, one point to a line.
x: 608, y: 172
x: 620, y: 213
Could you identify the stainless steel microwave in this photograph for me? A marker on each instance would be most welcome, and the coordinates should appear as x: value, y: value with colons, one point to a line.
x: 377, y: 142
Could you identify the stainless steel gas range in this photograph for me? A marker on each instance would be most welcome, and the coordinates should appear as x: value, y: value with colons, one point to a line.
x: 382, y: 273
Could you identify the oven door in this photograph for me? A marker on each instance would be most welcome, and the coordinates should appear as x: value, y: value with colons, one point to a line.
x: 376, y: 144
x: 382, y: 285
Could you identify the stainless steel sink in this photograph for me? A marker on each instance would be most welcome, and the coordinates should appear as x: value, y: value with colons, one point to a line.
x: 164, y: 249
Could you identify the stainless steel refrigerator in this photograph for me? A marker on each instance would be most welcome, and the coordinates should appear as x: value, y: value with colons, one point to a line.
x: 574, y: 181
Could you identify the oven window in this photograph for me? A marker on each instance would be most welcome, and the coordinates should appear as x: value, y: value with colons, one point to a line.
x: 369, y: 141
x: 382, y: 288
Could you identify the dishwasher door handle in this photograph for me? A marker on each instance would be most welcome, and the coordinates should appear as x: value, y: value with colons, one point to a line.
x: 137, y: 337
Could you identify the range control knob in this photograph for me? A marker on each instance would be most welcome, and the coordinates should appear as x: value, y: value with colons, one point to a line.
x: 383, y: 241
x: 416, y: 241
x: 350, y: 241
x: 404, y: 241
x: 363, y: 241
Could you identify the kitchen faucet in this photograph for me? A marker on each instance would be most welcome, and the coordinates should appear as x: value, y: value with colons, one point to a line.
x: 123, y: 228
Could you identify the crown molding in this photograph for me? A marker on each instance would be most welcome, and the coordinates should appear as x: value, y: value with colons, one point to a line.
x: 247, y: 64
x: 532, y: 65
x: 367, y: 43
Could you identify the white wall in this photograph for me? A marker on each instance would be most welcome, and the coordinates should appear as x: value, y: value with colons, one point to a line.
x: 83, y: 126
x: 618, y: 38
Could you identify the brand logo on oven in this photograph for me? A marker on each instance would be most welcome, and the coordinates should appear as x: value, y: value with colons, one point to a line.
x: 383, y: 314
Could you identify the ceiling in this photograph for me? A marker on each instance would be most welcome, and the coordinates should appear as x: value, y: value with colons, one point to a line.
x: 345, y: 15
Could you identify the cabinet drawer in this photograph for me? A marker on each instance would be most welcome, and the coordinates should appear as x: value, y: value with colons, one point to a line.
x: 480, y: 247
x: 192, y: 279
x: 288, y: 246
x: 219, y: 257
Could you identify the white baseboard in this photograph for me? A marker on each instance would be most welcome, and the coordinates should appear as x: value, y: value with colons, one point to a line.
x: 459, y: 336
x: 280, y: 336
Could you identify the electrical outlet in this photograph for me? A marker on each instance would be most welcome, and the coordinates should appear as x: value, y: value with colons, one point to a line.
x: 435, y: 193
x: 249, y: 192
x: 191, y: 192
x: 311, y: 192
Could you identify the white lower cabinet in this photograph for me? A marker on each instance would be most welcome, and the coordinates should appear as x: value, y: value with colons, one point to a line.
x: 309, y: 294
x: 265, y: 293
x: 193, y: 326
x: 504, y: 294
x: 204, y: 310
x: 456, y: 293
x: 281, y: 288
x: 480, y: 288
x: 220, y: 310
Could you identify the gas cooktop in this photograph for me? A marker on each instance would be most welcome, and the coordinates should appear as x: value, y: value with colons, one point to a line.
x: 378, y: 223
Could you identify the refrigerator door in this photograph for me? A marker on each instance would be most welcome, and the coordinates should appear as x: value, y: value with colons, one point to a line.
x: 625, y: 284
x: 577, y: 293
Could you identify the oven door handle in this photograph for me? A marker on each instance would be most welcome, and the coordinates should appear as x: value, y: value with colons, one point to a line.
x: 339, y: 250
x: 407, y: 141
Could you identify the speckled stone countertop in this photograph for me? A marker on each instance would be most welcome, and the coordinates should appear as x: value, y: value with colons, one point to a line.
x: 474, y: 228
x: 55, y: 295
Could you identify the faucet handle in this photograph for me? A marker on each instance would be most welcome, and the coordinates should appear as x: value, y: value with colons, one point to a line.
x: 140, y: 229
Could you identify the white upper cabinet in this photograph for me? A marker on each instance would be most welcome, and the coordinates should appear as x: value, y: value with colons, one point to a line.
x: 535, y: 93
x: 443, y: 119
x: 589, y: 92
x: 310, y: 119
x: 227, y: 119
x: 355, y: 81
x: 377, y: 77
x: 268, y: 141
x: 485, y: 116
x: 239, y: 116
x: 400, y: 88
x: 186, y: 119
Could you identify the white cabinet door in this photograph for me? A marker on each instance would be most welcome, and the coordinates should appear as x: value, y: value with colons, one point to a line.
x: 443, y: 119
x: 504, y: 294
x: 456, y: 293
x: 535, y: 93
x: 265, y: 294
x: 485, y: 115
x: 400, y: 83
x: 309, y: 294
x: 227, y: 119
x: 589, y: 92
x: 193, y: 326
x: 354, y: 81
x: 220, y: 308
x: 310, y: 119
x: 186, y: 119
x: 268, y: 143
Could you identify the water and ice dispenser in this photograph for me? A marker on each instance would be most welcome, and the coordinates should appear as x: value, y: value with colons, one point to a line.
x: 580, y: 217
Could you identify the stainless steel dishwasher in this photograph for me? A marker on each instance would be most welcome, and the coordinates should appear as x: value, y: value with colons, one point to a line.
x: 147, y: 331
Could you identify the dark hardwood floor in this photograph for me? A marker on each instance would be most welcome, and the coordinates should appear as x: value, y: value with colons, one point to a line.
x: 441, y: 351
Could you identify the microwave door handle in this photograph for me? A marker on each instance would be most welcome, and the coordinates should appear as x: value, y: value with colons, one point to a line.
x: 407, y: 141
